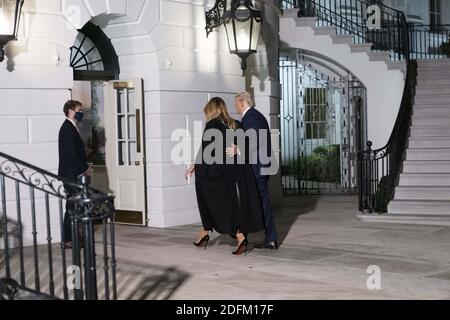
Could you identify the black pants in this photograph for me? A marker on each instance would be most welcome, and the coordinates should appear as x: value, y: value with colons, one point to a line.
x: 269, y: 220
x: 67, y: 228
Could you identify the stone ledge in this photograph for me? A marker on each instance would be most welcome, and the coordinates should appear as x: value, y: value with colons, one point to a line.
x: 432, y: 220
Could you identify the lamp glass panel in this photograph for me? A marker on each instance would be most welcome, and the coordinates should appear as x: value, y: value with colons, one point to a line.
x: 243, y: 35
x: 7, y: 17
x: 230, y: 35
x: 255, y: 35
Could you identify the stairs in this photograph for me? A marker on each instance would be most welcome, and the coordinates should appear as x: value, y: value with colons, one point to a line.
x: 383, y: 79
x: 424, y: 187
x: 342, y: 39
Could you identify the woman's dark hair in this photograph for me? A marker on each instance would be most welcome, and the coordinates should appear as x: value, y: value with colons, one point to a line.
x: 71, y: 105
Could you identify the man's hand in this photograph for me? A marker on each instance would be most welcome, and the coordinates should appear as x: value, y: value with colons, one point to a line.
x: 233, y: 151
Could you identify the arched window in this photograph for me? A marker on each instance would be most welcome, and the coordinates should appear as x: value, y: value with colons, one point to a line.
x: 93, y: 56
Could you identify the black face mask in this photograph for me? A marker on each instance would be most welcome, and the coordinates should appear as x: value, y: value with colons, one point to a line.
x: 79, y: 116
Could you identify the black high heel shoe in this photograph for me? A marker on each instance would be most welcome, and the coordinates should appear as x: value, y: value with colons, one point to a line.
x: 242, y: 248
x: 204, y: 241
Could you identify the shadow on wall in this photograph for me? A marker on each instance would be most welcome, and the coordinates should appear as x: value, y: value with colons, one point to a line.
x: 14, y: 48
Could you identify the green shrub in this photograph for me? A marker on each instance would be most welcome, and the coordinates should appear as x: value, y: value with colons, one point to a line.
x: 323, y: 165
x: 382, y: 195
x: 445, y: 47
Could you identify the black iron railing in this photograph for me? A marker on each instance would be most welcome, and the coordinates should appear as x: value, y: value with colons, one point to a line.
x: 379, y: 170
x: 427, y: 42
x: 351, y: 17
x: 31, y: 232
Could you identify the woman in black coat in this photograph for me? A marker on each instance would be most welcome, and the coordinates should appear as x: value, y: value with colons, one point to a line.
x: 227, y: 194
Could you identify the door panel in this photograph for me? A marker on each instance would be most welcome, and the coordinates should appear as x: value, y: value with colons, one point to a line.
x: 125, y: 157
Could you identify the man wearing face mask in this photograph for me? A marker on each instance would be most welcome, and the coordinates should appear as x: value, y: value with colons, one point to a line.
x: 72, y: 157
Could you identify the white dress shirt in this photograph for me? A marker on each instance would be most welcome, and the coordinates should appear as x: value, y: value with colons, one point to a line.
x: 246, y: 110
x: 74, y: 124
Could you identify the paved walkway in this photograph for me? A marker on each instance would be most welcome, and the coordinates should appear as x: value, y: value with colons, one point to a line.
x: 325, y: 254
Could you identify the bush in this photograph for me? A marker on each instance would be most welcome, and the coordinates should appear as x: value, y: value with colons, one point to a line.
x: 323, y: 165
x: 445, y: 47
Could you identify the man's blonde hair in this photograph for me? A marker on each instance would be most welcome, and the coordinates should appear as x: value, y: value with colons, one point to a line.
x: 246, y: 97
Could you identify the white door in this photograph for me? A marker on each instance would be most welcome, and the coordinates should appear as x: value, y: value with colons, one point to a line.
x: 125, y: 149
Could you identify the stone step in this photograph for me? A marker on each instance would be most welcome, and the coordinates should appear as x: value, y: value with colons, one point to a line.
x: 290, y: 13
x: 434, y: 67
x: 433, y: 99
x: 428, y: 154
x: 425, y: 180
x: 379, y: 56
x: 360, y: 47
x: 430, y: 73
x: 416, y: 207
x: 397, y: 65
x: 429, y: 143
x: 432, y: 63
x: 324, y: 31
x: 430, y: 120
x: 441, y: 65
x: 342, y: 39
x: 433, y: 90
x: 432, y: 86
x: 406, y: 218
x: 422, y: 193
x: 433, y: 81
x: 426, y: 166
x: 306, y: 22
x: 430, y: 131
x: 436, y: 110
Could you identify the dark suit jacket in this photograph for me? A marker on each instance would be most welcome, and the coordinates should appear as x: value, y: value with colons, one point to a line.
x: 254, y: 119
x: 72, y: 154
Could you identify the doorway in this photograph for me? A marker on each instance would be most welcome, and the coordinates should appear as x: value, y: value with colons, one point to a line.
x: 113, y: 129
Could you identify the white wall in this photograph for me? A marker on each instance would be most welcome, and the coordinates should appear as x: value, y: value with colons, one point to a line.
x: 161, y: 41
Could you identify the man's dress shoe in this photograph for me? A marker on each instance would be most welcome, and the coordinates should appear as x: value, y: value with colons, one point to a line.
x: 271, y: 245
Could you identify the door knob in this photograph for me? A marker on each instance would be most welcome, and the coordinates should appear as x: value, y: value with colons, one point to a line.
x: 137, y: 163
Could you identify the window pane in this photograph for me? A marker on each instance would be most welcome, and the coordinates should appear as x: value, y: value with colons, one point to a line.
x: 122, y: 152
x: 322, y: 131
x: 121, y: 127
x: 121, y: 101
x: 131, y: 102
x: 309, y: 131
x: 132, y: 127
x: 132, y: 156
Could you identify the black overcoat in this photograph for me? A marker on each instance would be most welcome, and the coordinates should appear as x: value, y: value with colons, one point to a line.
x: 227, y: 193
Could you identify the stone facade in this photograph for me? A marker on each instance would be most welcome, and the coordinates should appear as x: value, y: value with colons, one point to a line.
x: 161, y: 41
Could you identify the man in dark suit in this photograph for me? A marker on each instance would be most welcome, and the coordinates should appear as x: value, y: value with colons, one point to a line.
x: 72, y: 157
x: 252, y: 119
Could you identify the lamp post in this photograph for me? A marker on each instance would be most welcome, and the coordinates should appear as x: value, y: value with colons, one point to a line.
x: 242, y: 23
x: 9, y: 23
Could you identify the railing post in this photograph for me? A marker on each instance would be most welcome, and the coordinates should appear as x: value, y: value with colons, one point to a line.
x: 87, y: 208
x: 89, y: 242
x: 81, y: 205
x: 369, y: 176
